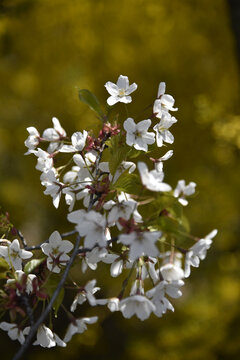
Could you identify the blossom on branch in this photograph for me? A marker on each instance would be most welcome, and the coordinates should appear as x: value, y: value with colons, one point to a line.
x: 120, y: 92
x: 138, y: 135
x: 13, y: 254
x: 56, y: 249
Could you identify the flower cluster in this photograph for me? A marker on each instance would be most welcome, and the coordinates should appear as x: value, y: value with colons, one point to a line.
x: 122, y: 214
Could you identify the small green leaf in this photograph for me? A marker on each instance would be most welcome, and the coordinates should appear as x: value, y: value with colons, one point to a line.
x: 118, y: 152
x: 32, y: 264
x: 133, y: 153
x: 128, y: 183
x: 91, y: 100
x: 50, y: 287
x: 4, y: 267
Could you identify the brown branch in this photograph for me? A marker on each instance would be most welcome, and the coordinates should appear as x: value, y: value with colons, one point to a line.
x: 35, y: 327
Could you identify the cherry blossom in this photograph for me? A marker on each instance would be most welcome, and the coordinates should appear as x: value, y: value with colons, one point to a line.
x: 45, y: 337
x: 13, y: 330
x: 56, y: 249
x: 152, y: 180
x: 162, y: 132
x: 137, y: 305
x: 138, y: 135
x: 78, y: 326
x: 78, y: 142
x: 164, y: 103
x: 120, y: 92
x: 141, y: 243
x: 90, y: 224
x: 33, y: 139
x: 198, y: 252
x: 182, y: 190
x: 13, y: 254
x: 86, y: 293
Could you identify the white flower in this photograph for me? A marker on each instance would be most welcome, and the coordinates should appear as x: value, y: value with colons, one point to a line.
x: 138, y: 135
x: 141, y: 243
x: 29, y: 279
x: 90, y: 224
x: 45, y: 337
x: 172, y: 272
x: 162, y: 132
x: 78, y: 142
x: 33, y: 139
x: 14, y: 255
x: 136, y: 304
x: 113, y: 304
x: 164, y: 103
x: 91, y: 258
x: 152, y: 179
x: 120, y: 92
x: 116, y: 267
x: 198, y: 252
x: 182, y: 190
x: 157, y: 294
x: 56, y: 250
x: 13, y: 330
x: 55, y: 133
x: 79, y: 326
x: 159, y: 162
x: 84, y: 294
x: 124, y: 208
x: 44, y: 162
x: 53, y: 187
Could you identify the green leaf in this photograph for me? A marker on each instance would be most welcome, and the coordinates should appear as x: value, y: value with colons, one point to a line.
x: 50, y: 287
x: 128, y: 183
x: 4, y: 267
x: 118, y: 152
x: 133, y: 153
x: 91, y: 100
x: 32, y: 264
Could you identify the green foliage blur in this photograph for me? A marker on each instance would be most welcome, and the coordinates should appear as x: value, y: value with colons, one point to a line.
x: 49, y: 49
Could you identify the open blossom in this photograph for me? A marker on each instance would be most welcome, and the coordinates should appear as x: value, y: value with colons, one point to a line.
x: 53, y: 187
x: 55, y: 133
x: 90, y: 224
x: 141, y: 243
x: 172, y: 272
x: 14, y: 332
x: 137, y: 305
x: 33, y: 139
x: 162, y: 132
x: 182, y: 190
x: 19, y: 276
x: 56, y: 250
x: 120, y: 92
x: 45, y: 337
x: 198, y: 252
x: 138, y: 135
x: 152, y: 179
x: 164, y: 103
x: 157, y: 295
x: 86, y: 293
x: 78, y: 142
x: 124, y: 208
x: 13, y: 254
x: 79, y: 326
x: 159, y: 162
x: 44, y: 161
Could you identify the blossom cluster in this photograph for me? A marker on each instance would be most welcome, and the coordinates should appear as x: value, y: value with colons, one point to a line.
x: 121, y: 210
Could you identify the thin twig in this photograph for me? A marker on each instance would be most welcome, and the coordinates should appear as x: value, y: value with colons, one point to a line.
x: 35, y: 327
x: 38, y: 247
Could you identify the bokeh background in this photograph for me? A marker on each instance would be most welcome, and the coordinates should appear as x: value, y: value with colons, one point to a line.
x: 48, y: 49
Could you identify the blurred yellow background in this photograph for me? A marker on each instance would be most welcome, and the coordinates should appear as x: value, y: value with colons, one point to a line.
x: 48, y: 49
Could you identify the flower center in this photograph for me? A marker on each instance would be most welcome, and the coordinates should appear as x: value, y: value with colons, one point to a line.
x: 121, y: 92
